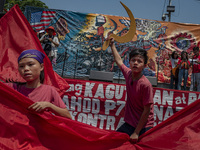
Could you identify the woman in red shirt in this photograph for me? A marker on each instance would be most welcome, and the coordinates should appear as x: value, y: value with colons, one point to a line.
x: 45, y: 97
x: 183, y: 64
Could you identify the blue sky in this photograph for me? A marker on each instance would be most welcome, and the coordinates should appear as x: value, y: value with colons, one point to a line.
x: 186, y: 11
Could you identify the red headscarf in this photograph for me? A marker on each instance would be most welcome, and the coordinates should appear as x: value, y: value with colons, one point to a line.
x: 51, y: 28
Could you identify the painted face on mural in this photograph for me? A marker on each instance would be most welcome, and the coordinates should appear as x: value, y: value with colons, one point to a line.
x: 62, y: 26
x: 124, y: 32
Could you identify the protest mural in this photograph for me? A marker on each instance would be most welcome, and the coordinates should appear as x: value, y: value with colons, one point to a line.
x: 82, y: 35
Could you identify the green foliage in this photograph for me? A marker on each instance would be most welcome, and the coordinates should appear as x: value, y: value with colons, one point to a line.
x: 23, y: 3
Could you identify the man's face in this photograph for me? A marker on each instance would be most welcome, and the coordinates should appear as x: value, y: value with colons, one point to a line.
x: 50, y: 32
x: 137, y: 64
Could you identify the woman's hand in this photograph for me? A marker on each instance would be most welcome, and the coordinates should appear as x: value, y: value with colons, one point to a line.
x: 39, y: 106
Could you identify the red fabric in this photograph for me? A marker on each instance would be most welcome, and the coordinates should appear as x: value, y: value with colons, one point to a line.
x: 179, y: 132
x: 17, y: 35
x: 49, y: 94
x: 22, y: 129
x: 196, y: 67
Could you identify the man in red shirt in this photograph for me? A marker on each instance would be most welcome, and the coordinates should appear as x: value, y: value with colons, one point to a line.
x: 139, y: 105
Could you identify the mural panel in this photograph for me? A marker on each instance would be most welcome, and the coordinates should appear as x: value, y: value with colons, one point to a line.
x: 82, y: 35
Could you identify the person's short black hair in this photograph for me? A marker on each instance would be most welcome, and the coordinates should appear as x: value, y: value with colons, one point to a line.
x: 196, y: 48
x: 140, y: 52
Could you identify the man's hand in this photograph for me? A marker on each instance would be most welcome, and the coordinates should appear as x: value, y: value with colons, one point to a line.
x: 50, y: 39
x: 111, y: 41
x: 39, y: 106
x: 134, y: 137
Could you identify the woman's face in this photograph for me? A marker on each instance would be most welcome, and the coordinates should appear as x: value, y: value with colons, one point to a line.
x: 29, y: 69
x: 184, y: 55
x: 175, y: 55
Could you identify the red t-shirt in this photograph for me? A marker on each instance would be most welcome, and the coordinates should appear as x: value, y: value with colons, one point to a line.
x: 196, y: 67
x: 184, y: 65
x: 139, y: 94
x: 42, y: 93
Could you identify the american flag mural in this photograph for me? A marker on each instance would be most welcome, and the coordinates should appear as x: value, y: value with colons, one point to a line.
x: 41, y: 19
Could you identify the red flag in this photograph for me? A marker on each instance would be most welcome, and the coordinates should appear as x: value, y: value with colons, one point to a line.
x: 17, y: 35
x: 22, y: 129
x: 179, y: 132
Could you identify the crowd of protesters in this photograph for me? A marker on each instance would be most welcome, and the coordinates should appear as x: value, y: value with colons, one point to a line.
x: 179, y: 71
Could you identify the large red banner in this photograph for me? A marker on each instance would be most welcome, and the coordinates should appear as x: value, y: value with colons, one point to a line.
x: 23, y: 129
x: 101, y: 104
